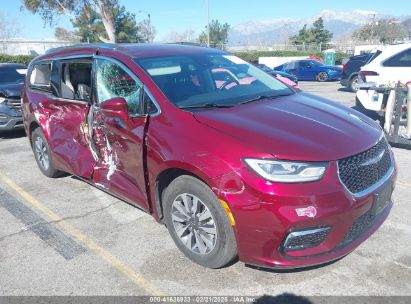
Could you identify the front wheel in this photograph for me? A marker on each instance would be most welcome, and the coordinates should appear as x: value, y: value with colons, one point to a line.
x: 322, y: 77
x: 198, y: 223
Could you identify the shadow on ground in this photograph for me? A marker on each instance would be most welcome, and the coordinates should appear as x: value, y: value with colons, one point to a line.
x: 12, y: 134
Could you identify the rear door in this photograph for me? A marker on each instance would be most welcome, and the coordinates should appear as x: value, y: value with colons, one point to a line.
x: 66, y: 120
x: 119, y: 144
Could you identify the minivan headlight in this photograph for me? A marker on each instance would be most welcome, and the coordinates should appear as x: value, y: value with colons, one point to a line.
x: 287, y: 171
x: 2, y: 99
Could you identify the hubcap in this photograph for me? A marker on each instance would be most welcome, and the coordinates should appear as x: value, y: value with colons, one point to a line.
x: 322, y: 76
x: 194, y: 223
x: 42, y: 153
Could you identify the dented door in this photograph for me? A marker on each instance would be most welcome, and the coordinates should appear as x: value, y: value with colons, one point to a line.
x: 67, y: 121
x: 119, y: 142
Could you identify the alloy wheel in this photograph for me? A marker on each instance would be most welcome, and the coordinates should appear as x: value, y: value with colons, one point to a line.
x: 42, y: 153
x: 322, y: 77
x: 193, y: 223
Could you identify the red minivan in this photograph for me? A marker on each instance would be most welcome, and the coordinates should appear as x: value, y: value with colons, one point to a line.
x: 234, y: 162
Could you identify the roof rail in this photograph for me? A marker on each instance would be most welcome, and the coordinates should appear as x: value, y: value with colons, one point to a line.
x: 109, y: 46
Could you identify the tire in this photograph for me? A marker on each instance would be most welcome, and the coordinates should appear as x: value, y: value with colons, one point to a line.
x: 322, y: 77
x: 220, y: 248
x: 42, y: 154
x: 353, y: 84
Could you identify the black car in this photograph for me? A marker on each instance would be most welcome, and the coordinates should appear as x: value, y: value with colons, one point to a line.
x: 11, y: 84
x: 351, y: 69
x: 278, y: 73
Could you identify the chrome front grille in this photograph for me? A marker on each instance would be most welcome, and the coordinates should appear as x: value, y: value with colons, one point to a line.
x: 363, y: 170
x: 14, y: 103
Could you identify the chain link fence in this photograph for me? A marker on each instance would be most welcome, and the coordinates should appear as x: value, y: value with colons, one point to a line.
x: 24, y: 47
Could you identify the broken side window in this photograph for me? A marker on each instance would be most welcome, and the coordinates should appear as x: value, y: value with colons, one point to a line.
x: 40, y: 76
x: 113, y: 81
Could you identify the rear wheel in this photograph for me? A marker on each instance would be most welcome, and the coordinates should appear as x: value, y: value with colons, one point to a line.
x: 42, y: 154
x: 322, y: 77
x: 353, y: 84
x: 198, y: 223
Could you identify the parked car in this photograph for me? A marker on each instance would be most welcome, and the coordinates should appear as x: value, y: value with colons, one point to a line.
x: 11, y: 83
x: 385, y: 68
x: 278, y: 177
x: 280, y: 75
x: 310, y: 70
x: 351, y: 69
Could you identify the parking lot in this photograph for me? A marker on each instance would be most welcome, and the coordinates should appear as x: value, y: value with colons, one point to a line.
x: 65, y: 237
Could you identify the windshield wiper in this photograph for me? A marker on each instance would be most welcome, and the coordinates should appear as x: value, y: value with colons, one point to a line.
x: 205, y: 105
x: 261, y: 97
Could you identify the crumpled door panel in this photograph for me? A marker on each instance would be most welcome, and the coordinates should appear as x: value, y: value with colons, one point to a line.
x: 67, y: 138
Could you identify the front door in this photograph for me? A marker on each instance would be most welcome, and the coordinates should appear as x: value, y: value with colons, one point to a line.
x: 119, y: 144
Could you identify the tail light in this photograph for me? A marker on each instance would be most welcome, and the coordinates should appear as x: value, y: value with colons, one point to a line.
x: 344, y: 67
x: 363, y: 74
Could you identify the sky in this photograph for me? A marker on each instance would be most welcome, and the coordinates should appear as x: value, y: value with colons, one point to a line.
x: 180, y: 15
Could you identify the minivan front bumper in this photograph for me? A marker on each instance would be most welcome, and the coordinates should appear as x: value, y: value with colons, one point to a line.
x: 266, y: 214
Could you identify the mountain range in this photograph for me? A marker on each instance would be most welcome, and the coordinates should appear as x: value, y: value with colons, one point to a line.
x: 263, y: 32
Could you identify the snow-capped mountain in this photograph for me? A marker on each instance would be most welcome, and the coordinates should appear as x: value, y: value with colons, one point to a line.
x: 340, y: 23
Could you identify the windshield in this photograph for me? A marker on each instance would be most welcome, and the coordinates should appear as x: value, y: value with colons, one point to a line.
x: 217, y: 79
x: 12, y: 75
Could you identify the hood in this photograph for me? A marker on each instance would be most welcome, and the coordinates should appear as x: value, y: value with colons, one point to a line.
x: 11, y: 89
x: 297, y: 127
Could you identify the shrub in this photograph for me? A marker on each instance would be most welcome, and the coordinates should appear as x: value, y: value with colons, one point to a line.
x: 24, y: 59
x: 252, y: 56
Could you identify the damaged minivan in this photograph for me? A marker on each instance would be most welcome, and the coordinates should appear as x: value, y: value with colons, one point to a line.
x: 234, y: 162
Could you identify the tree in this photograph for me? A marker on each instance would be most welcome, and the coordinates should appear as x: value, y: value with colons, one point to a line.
x: 147, y: 31
x: 321, y: 35
x: 304, y: 36
x: 188, y: 35
x: 384, y: 31
x: 317, y: 34
x: 47, y: 9
x: 406, y: 24
x: 218, y: 33
x: 61, y: 33
x: 8, y: 27
x: 90, y: 26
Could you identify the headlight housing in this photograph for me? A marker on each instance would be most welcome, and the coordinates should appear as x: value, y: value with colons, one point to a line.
x: 287, y: 171
x: 2, y: 99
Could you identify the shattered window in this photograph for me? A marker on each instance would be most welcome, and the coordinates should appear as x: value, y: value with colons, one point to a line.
x: 113, y: 81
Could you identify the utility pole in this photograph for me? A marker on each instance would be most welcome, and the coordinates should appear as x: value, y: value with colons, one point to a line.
x: 208, y: 22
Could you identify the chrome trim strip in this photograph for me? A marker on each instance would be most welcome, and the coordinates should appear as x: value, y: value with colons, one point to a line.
x: 302, y: 233
x: 378, y: 183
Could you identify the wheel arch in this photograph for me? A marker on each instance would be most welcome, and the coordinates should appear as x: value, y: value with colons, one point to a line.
x: 33, y: 126
x: 164, y: 179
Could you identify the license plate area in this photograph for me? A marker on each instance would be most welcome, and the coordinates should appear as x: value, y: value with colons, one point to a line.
x: 382, y: 198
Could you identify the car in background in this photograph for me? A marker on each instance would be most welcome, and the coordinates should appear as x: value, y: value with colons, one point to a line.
x: 12, y: 77
x: 351, y: 69
x: 384, y: 69
x: 311, y: 70
x: 279, y: 75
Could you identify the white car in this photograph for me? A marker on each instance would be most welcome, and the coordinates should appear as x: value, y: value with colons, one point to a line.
x: 385, y: 68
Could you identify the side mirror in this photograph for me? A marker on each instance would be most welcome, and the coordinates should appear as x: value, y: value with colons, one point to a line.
x: 117, y: 107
